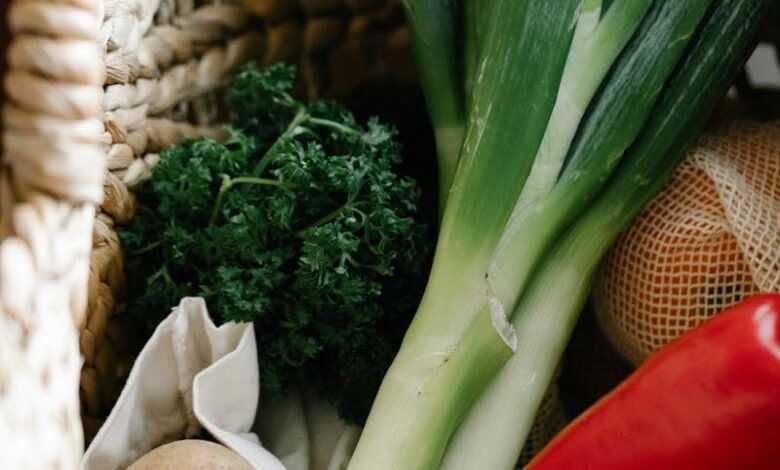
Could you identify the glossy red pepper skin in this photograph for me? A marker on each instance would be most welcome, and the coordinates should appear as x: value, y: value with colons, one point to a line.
x: 708, y: 401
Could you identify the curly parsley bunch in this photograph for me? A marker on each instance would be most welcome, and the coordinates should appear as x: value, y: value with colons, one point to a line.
x: 298, y: 223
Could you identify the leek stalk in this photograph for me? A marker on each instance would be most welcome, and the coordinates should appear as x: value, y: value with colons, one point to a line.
x: 493, y: 434
x: 434, y: 26
x: 613, y: 123
x: 599, y: 38
x: 476, y: 18
x: 420, y: 394
x: 577, y: 112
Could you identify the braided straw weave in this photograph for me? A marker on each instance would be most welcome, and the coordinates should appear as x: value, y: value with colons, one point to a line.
x: 166, y: 61
x: 51, y: 172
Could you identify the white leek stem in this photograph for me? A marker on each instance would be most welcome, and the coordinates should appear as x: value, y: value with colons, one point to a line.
x: 597, y: 43
x: 494, y: 432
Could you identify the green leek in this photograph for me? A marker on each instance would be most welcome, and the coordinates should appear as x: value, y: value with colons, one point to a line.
x: 434, y: 24
x: 493, y: 165
x: 550, y: 307
x: 578, y: 110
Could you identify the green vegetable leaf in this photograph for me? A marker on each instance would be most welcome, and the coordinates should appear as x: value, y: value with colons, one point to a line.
x: 324, y: 250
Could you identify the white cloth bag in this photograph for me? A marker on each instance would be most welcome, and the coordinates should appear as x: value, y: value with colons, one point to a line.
x: 192, y: 374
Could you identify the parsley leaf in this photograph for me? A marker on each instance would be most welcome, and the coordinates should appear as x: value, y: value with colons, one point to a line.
x: 299, y: 223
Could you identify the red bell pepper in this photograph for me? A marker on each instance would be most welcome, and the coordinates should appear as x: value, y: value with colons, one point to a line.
x: 710, y: 400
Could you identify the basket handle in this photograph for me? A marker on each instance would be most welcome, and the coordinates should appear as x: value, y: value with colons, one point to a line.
x: 51, y: 177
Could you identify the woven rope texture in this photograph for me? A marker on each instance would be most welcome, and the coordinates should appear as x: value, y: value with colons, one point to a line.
x: 51, y: 176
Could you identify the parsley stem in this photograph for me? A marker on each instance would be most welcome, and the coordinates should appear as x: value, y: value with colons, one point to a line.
x: 300, y: 117
x: 165, y: 274
x: 147, y: 248
x: 333, y: 125
x: 229, y: 183
x: 332, y: 215
x: 329, y: 217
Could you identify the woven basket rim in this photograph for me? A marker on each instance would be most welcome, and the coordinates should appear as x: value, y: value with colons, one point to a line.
x: 47, y: 203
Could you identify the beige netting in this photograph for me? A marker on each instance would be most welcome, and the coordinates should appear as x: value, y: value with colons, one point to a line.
x: 711, y: 238
x: 550, y: 419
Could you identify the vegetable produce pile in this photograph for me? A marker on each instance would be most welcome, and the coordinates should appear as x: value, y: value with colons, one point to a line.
x: 556, y: 123
x: 298, y: 223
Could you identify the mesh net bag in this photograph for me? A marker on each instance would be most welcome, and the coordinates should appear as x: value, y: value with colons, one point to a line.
x: 69, y: 111
x: 710, y: 239
x: 550, y: 419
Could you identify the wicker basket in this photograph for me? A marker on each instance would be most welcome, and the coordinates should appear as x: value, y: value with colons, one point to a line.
x: 96, y: 85
x: 51, y: 177
x: 92, y: 91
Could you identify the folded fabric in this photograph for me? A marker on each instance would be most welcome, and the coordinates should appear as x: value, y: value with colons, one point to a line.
x: 190, y: 375
x: 306, y: 433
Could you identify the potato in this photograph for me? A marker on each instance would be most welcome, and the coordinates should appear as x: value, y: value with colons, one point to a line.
x: 191, y: 455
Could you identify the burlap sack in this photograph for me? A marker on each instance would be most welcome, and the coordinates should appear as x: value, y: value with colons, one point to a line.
x: 710, y: 239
